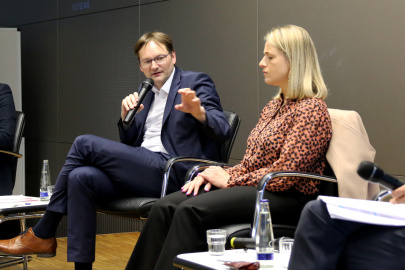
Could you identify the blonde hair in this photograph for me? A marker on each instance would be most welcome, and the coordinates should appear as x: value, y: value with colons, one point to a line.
x: 305, y: 78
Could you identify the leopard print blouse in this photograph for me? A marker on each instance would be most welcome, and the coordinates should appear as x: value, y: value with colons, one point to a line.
x: 292, y: 137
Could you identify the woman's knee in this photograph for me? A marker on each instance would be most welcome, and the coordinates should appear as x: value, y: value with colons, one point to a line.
x: 168, y: 205
x: 164, y: 204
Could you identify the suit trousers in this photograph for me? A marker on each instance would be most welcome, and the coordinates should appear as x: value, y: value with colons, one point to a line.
x: 324, y: 243
x: 178, y: 223
x: 10, y: 228
x: 7, y: 163
x: 100, y: 169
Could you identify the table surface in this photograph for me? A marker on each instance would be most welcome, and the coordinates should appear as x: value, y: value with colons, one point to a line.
x: 18, y: 203
x: 205, y: 261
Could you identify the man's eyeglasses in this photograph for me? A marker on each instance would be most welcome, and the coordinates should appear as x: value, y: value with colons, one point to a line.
x: 160, y: 59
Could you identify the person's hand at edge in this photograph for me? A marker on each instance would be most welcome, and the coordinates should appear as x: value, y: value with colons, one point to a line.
x: 398, y: 195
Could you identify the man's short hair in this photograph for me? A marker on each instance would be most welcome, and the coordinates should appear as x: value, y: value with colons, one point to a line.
x: 157, y: 37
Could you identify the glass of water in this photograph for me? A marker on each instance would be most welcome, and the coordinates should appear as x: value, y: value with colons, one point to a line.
x: 216, y: 239
x: 285, y: 248
x: 50, y: 190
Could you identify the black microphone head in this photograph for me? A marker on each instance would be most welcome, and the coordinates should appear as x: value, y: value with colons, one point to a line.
x: 369, y: 171
x: 149, y: 81
x: 365, y: 169
x: 147, y: 85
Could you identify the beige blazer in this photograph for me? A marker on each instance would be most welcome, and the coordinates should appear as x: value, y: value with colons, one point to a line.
x: 348, y: 147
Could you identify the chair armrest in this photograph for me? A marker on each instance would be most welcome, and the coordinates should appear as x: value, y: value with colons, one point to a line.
x: 174, y: 160
x: 261, y: 187
x: 265, y: 179
x: 11, y: 153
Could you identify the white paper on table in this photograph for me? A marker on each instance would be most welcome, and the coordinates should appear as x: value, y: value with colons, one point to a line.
x: 370, y: 212
x: 239, y: 255
x: 12, y: 201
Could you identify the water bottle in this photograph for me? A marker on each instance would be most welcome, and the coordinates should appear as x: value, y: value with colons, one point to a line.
x: 45, y: 182
x: 264, y: 237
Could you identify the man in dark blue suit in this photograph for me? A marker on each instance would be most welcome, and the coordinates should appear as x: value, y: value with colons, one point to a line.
x: 7, y: 130
x: 325, y: 243
x: 182, y: 116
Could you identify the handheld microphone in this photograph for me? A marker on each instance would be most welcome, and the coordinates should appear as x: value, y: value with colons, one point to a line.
x: 245, y: 243
x: 146, y: 87
x: 370, y: 172
x: 250, y: 243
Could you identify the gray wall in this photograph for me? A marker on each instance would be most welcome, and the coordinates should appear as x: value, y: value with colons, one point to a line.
x: 78, y: 63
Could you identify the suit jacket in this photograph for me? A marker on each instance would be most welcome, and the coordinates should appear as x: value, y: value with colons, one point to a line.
x: 182, y: 134
x: 7, y: 130
x: 350, y: 146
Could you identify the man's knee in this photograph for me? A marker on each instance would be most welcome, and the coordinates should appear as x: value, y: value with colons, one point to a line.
x: 78, y: 145
x: 315, y: 207
x: 80, y: 177
x: 84, y: 139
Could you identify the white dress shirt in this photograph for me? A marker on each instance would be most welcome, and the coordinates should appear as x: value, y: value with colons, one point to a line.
x: 153, y: 125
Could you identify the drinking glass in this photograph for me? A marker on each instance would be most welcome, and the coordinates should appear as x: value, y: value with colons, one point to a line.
x: 285, y: 248
x: 50, y: 190
x: 216, y: 239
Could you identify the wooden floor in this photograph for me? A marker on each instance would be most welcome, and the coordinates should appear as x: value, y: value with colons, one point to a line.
x: 112, y: 252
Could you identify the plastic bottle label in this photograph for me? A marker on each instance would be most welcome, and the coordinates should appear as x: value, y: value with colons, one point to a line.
x: 43, y: 194
x: 265, y: 256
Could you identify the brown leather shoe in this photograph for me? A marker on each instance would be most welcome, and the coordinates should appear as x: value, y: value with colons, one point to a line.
x: 28, y: 244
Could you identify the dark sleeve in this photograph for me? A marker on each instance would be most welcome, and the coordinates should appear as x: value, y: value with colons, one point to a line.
x: 128, y: 134
x: 7, y: 118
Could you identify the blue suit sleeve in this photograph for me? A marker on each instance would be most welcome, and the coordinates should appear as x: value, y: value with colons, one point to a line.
x: 129, y: 134
x: 7, y: 118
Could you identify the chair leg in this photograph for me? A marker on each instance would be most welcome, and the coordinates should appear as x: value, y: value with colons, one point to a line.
x: 25, y: 262
x: 22, y: 224
x: 13, y: 260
